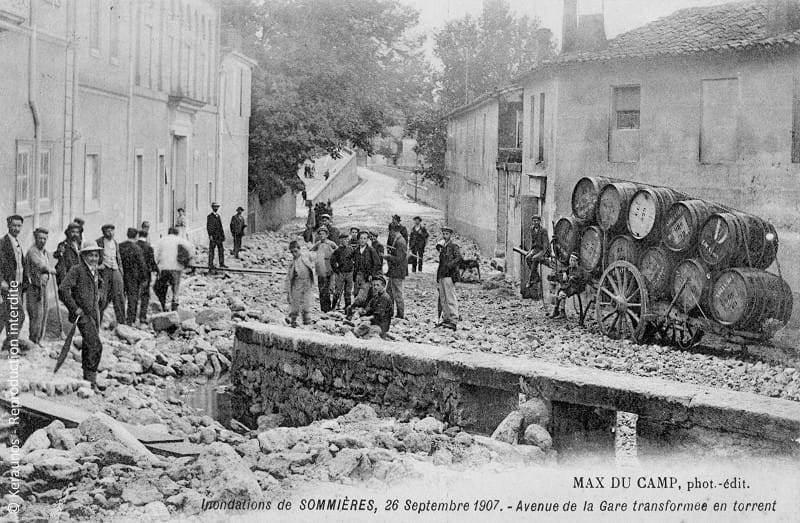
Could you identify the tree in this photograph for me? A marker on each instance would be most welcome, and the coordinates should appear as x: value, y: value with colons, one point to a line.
x: 330, y: 73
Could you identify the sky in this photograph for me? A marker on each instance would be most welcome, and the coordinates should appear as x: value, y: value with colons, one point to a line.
x: 620, y: 15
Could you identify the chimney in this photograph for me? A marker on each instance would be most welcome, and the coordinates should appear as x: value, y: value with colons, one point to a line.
x: 783, y: 16
x: 569, y: 28
x: 591, y: 32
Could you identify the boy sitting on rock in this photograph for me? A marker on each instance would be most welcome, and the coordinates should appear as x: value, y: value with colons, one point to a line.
x: 378, y: 312
x: 573, y: 281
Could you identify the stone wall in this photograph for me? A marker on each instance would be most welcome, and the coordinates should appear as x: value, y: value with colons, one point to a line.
x: 343, y: 179
x: 308, y: 376
x: 270, y: 215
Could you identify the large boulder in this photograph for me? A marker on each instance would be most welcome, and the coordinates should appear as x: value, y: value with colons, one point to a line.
x: 53, y: 466
x: 100, y: 426
x: 536, y: 411
x: 278, y: 439
x: 538, y: 436
x: 60, y: 437
x: 36, y: 441
x: 110, y: 452
x: 55, y: 329
x: 211, y: 315
x: 130, y: 334
x: 165, y: 321
x: 226, y: 475
x: 510, y: 428
x: 141, y: 493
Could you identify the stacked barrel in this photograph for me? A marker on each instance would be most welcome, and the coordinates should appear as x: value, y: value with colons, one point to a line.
x: 708, y: 258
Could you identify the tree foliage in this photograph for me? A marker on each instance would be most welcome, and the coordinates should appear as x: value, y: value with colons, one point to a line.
x: 330, y: 73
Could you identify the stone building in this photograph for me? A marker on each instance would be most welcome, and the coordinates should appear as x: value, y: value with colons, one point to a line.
x: 120, y: 111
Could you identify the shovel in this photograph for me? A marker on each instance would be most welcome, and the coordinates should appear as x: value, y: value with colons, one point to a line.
x: 62, y: 357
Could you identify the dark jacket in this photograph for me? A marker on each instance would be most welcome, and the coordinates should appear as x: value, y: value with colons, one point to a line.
x: 134, y: 267
x: 342, y: 259
x: 398, y: 259
x: 381, y: 309
x: 149, y: 256
x: 418, y: 238
x: 214, y: 228
x: 368, y: 263
x: 68, y: 256
x: 399, y: 227
x: 539, y: 239
x: 573, y: 280
x: 238, y: 225
x: 449, y: 260
x: 378, y: 246
x: 101, y: 242
x: 80, y: 291
x: 8, y: 264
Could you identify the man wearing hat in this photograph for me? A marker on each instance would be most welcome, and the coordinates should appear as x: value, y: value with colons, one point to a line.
x: 416, y: 245
x: 538, y: 251
x: 573, y: 281
x: 397, y: 258
x: 395, y: 224
x: 135, y: 271
x: 446, y: 276
x: 68, y: 252
x: 13, y: 281
x: 342, y: 267
x: 325, y: 220
x: 216, y: 237
x: 366, y: 265
x: 378, y: 309
x: 111, y: 270
x: 83, y: 294
x: 39, y: 269
x: 172, y: 255
x: 324, y: 249
x: 238, y: 226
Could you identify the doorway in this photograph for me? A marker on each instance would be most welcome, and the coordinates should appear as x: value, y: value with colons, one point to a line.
x: 531, y: 205
x: 179, y: 175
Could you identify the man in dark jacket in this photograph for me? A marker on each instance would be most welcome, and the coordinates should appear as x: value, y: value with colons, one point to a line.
x: 68, y: 251
x: 342, y: 266
x: 366, y: 265
x: 13, y: 282
x: 416, y: 245
x: 536, y: 254
x: 112, y: 271
x: 136, y: 272
x: 395, y: 224
x: 379, y: 308
x: 238, y: 226
x: 573, y: 281
x: 216, y: 237
x: 83, y: 294
x: 446, y: 276
x: 150, y: 262
x: 398, y: 269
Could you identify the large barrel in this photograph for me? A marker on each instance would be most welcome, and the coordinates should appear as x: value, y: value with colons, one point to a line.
x: 722, y: 239
x: 612, y: 205
x: 691, y: 284
x: 584, y: 196
x: 591, y: 251
x: 647, y: 211
x: 624, y: 248
x: 683, y: 222
x: 745, y: 298
x: 568, y: 233
x: 770, y: 247
x: 658, y: 266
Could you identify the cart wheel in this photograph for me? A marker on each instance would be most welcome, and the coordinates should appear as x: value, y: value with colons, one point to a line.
x: 684, y: 334
x: 621, y: 304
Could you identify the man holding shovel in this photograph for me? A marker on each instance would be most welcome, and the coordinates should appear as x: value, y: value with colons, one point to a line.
x: 82, y: 292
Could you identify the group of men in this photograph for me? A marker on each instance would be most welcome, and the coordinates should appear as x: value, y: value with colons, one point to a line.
x: 349, y: 268
x: 216, y: 235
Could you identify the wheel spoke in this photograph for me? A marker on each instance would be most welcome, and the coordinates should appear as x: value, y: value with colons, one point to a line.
x: 613, y: 283
x: 639, y: 305
x: 613, y: 326
x: 632, y: 292
x: 634, y: 316
x: 607, y: 316
x: 625, y: 282
x: 608, y: 293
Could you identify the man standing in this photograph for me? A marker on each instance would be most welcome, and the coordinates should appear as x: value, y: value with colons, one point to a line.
x: 395, y: 224
x: 135, y: 272
x: 366, y: 265
x: 237, y: 230
x: 68, y: 252
x: 419, y: 237
x: 324, y: 250
x: 81, y: 224
x: 83, y: 294
x: 216, y: 237
x: 300, y: 279
x: 446, y: 275
x: 169, y: 260
x: 537, y: 253
x: 342, y: 267
x: 152, y: 267
x: 37, y: 264
x: 325, y: 221
x: 13, y: 281
x: 111, y: 271
x: 398, y: 269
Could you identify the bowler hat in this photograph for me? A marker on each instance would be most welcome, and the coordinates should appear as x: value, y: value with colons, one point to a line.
x: 239, y: 209
x: 90, y: 245
x: 416, y: 218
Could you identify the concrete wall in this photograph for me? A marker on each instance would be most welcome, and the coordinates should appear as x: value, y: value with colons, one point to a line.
x: 270, y: 215
x: 308, y: 375
x: 343, y: 179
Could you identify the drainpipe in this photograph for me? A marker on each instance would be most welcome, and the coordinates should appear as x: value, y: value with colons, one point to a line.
x: 32, y: 92
x: 220, y: 110
x: 129, y: 126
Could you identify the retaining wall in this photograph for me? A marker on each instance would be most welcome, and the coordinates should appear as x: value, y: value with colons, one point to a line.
x: 343, y: 179
x: 270, y: 215
x: 309, y: 375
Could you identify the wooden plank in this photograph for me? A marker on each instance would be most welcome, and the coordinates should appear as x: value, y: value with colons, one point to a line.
x: 72, y: 417
x: 242, y: 270
x: 177, y: 449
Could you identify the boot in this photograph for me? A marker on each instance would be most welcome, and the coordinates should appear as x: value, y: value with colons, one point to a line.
x: 556, y: 311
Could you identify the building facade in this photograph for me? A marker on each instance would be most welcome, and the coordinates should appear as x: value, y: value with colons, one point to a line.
x: 120, y: 111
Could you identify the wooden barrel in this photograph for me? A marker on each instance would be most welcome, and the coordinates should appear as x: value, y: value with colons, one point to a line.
x: 657, y: 265
x: 568, y: 233
x: 734, y: 239
x: 584, y: 196
x: 683, y: 222
x: 624, y: 248
x: 691, y: 284
x: 744, y: 298
x: 647, y: 210
x: 591, y: 250
x: 612, y: 205
x: 770, y: 251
